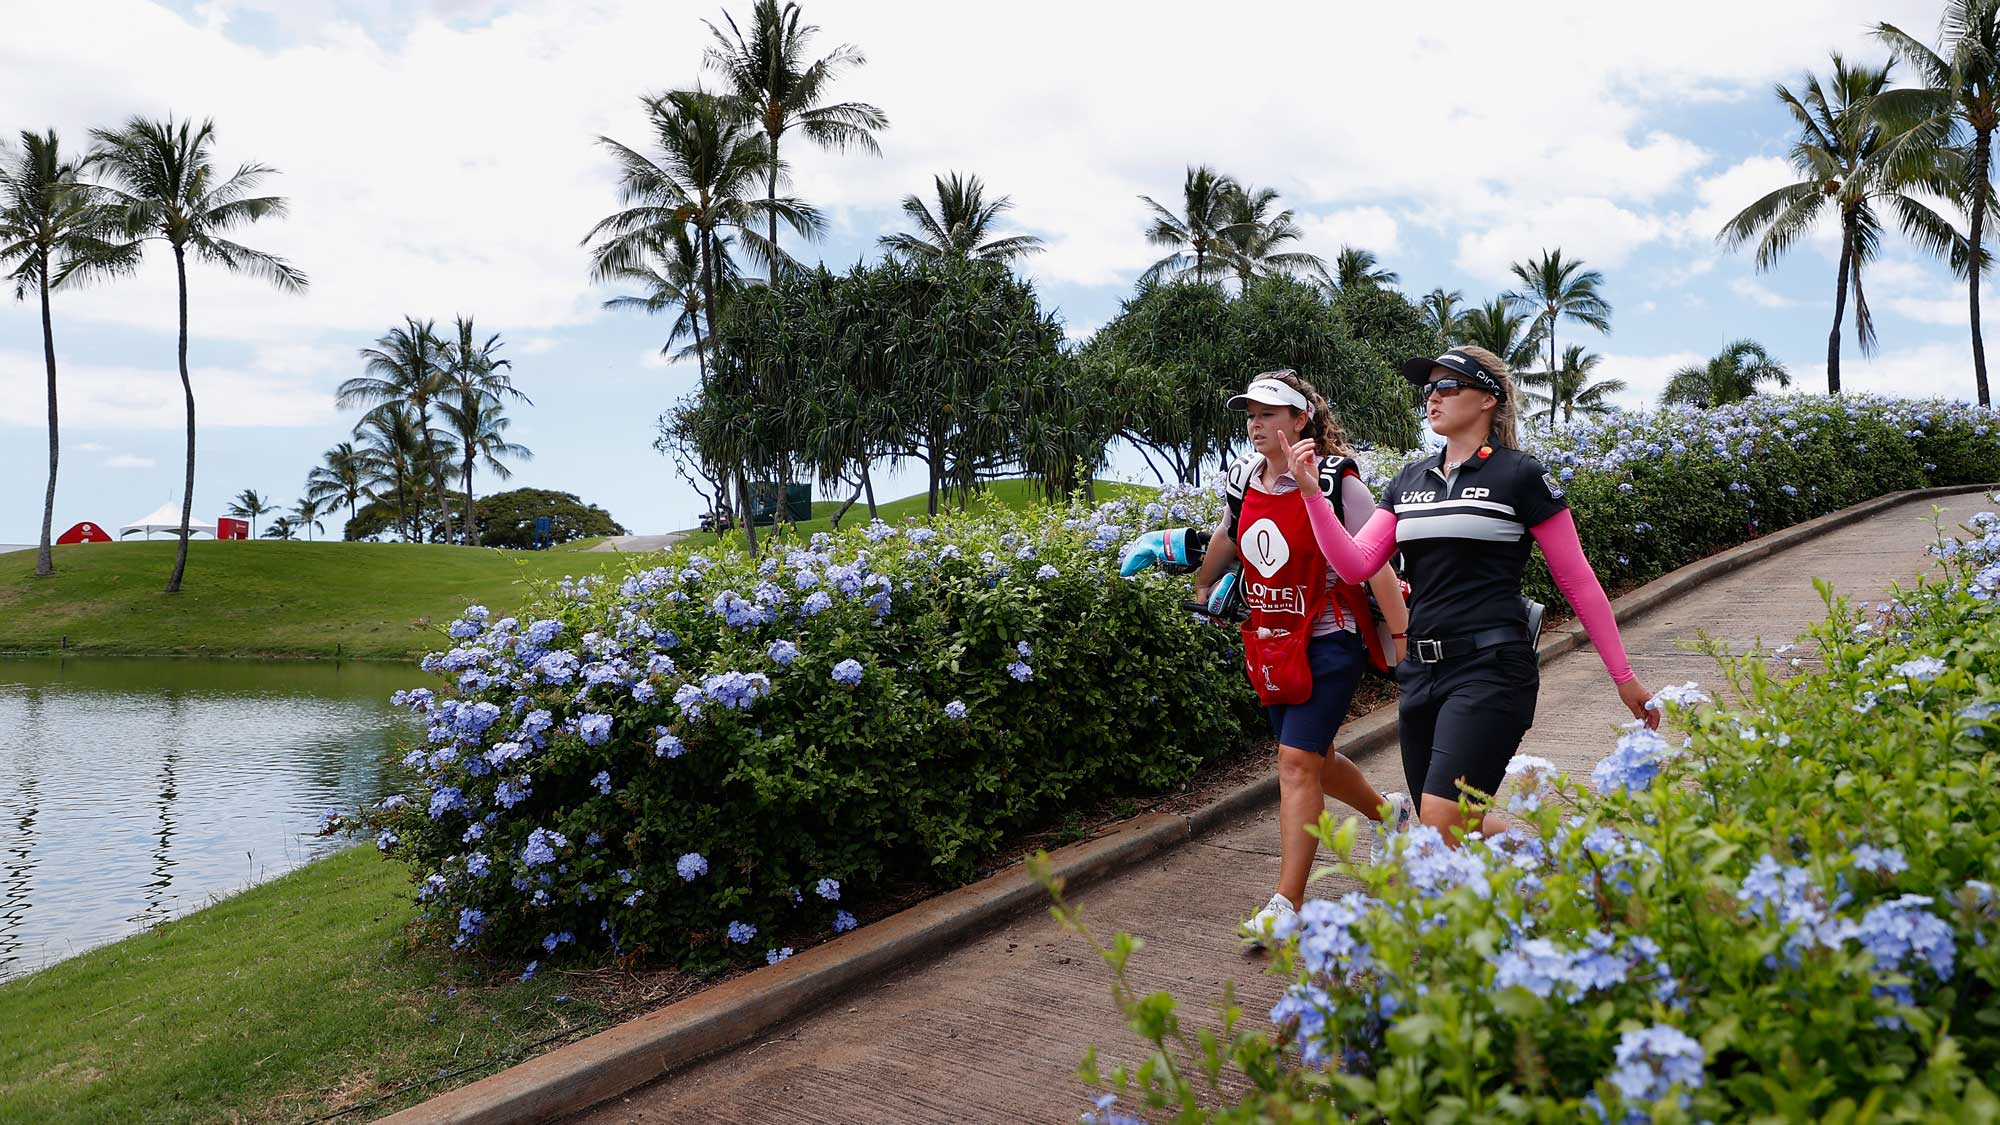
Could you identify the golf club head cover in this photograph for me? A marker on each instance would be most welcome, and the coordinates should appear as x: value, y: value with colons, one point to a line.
x: 1177, y: 550
x: 1225, y: 599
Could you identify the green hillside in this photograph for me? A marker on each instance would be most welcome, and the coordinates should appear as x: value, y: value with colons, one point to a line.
x: 264, y: 597
x: 267, y: 597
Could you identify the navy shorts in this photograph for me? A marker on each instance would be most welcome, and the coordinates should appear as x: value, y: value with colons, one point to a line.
x: 1463, y: 719
x: 1337, y: 661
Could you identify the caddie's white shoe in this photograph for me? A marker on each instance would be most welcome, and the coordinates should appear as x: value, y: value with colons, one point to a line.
x: 1402, y: 814
x: 1277, y: 921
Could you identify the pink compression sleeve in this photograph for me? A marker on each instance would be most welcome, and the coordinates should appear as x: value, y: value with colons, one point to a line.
x: 1355, y: 558
x: 1578, y: 583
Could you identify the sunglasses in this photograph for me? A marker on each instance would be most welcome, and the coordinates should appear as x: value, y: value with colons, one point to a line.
x: 1449, y: 387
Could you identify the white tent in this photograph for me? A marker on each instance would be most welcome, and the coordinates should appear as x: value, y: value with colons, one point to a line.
x: 167, y: 519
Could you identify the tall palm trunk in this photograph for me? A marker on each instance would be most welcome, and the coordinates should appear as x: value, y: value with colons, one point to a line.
x: 1982, y: 191
x: 471, y: 528
x: 431, y: 470
x: 44, y: 564
x: 1839, y: 310
x: 771, y: 200
x: 187, y: 389
x: 868, y: 484
x: 708, y: 308
x: 1554, y: 316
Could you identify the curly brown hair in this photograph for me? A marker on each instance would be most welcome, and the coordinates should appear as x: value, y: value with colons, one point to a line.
x: 1329, y: 439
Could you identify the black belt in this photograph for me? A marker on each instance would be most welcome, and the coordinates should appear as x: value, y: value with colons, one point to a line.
x: 1431, y: 650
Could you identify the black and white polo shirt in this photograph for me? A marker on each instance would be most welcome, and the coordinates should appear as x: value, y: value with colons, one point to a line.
x: 1464, y: 538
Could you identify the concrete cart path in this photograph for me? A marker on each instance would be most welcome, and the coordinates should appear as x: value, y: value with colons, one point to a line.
x: 638, y: 544
x: 993, y: 1031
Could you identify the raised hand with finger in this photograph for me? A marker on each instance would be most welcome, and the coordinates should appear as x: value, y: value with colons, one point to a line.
x: 1304, y: 457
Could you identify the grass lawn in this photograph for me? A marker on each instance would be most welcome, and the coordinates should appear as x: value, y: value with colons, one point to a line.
x: 1015, y: 494
x: 264, y: 597
x: 289, y: 1001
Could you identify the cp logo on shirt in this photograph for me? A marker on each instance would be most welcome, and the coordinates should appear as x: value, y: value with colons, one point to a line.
x: 1475, y: 493
x: 1264, y: 547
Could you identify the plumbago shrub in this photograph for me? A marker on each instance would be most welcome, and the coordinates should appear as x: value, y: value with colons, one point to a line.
x: 1655, y: 491
x: 1786, y: 913
x: 706, y: 760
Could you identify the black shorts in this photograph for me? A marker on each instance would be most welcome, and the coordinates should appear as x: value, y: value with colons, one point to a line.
x: 1463, y: 719
x: 1337, y: 661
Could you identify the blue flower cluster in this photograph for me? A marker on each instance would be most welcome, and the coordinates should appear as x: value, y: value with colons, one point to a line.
x: 1652, y: 1062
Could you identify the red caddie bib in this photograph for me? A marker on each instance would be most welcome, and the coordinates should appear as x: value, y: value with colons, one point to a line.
x: 1284, y: 586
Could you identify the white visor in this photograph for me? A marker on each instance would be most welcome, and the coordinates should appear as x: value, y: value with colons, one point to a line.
x: 1270, y: 392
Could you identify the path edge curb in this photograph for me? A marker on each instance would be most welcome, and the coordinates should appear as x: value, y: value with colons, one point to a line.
x: 596, y: 1069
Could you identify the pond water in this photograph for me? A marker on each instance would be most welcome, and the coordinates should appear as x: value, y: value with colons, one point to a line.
x: 135, y: 790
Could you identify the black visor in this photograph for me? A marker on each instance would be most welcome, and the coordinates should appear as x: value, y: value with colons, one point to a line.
x: 1470, y: 372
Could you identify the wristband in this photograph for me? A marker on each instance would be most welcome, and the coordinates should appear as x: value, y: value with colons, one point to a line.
x: 1399, y: 636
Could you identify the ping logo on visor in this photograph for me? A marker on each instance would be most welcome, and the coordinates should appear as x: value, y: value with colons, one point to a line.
x: 1471, y: 372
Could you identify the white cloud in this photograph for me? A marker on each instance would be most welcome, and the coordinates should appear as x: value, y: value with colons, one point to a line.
x: 133, y: 398
x: 440, y: 157
x: 130, y: 461
x: 1941, y: 369
x: 1949, y: 310
x: 1645, y: 375
x: 1719, y: 198
x: 1600, y: 232
x: 1760, y: 294
x: 89, y: 447
x: 1369, y: 228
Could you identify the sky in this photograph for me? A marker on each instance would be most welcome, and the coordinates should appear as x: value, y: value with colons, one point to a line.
x: 441, y: 159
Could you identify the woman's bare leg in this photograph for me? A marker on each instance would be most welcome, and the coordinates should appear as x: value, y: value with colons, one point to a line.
x: 1342, y: 780
x: 1453, y: 825
x: 1299, y: 805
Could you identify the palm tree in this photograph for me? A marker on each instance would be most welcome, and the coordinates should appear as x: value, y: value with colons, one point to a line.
x: 393, y: 456
x: 1441, y: 315
x: 282, y: 528
x: 247, y: 505
x: 305, y: 515
x: 408, y: 368
x: 774, y: 87
x: 1498, y: 328
x: 1953, y: 114
x: 707, y: 165
x: 481, y: 424
x: 1731, y: 376
x: 164, y: 183
x: 960, y: 225
x: 1553, y: 287
x: 669, y: 270
x: 1571, y: 389
x: 1357, y: 267
x: 339, y: 478
x: 1197, y: 234
x: 1840, y: 154
x: 1253, y: 237
x: 53, y: 230
x: 477, y: 387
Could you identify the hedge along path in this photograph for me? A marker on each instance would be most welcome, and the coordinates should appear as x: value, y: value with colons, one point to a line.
x: 993, y: 1030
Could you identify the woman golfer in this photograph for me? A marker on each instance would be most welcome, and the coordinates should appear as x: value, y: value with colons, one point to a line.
x: 1303, y: 645
x: 1463, y: 521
